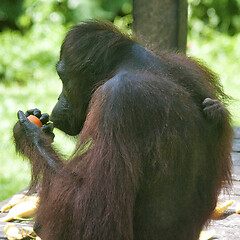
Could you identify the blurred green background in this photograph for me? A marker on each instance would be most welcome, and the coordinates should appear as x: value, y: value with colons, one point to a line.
x: 31, y: 33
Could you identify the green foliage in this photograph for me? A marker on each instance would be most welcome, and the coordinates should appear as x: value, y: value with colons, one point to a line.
x: 27, y: 58
x: 124, y: 23
x: 9, y: 12
x: 28, y: 53
x: 23, y: 14
x: 42, y: 24
x: 221, y: 15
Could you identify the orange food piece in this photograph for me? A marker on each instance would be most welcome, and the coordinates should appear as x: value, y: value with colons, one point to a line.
x: 35, y: 120
x: 220, y: 209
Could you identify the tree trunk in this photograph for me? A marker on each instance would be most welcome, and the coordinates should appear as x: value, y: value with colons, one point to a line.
x: 162, y: 23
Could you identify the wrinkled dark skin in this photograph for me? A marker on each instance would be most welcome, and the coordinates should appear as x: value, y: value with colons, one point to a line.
x: 32, y: 130
x: 34, y: 135
x: 213, y: 110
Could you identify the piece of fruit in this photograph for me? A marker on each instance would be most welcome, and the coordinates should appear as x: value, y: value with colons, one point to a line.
x: 28, y: 232
x: 14, y: 200
x: 24, y: 209
x: 35, y: 120
x: 12, y: 232
x: 18, y: 198
x: 238, y: 208
x: 220, y: 209
x: 205, y: 235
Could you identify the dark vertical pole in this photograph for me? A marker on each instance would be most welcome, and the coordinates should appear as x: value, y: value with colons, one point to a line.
x: 162, y: 23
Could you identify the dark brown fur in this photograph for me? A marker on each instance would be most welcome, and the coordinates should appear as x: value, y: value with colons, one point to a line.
x: 155, y: 163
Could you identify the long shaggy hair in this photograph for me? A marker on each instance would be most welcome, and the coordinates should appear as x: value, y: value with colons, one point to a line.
x: 154, y: 164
